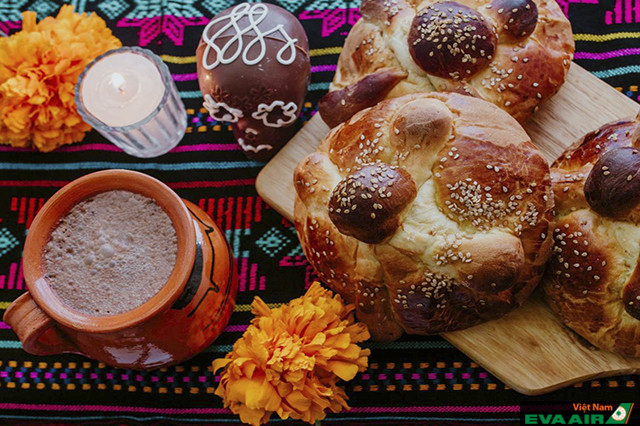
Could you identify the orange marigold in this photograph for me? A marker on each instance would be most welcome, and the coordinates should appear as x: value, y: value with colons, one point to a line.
x: 289, y: 359
x: 39, y: 67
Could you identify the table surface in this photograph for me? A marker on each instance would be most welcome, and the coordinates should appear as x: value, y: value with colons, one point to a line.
x: 423, y: 380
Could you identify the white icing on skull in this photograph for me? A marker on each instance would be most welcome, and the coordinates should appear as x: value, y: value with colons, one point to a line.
x: 279, y: 108
x: 220, y: 111
x: 235, y: 47
x: 252, y: 148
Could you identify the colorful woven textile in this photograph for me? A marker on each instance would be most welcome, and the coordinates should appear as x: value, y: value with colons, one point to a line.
x: 415, y: 379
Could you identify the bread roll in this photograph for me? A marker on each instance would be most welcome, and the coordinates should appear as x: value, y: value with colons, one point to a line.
x: 430, y: 212
x: 513, y: 53
x: 593, y: 278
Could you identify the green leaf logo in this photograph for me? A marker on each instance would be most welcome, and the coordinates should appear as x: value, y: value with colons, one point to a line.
x: 621, y: 415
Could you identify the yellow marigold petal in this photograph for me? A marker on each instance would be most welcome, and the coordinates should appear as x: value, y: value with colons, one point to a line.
x: 17, y: 119
x: 327, y: 353
x: 284, y: 389
x: 28, y: 21
x: 344, y: 370
x: 363, y: 360
x: 253, y: 417
x: 14, y: 88
x: 350, y: 352
x: 260, y: 309
x: 339, y: 341
x: 221, y: 392
x: 257, y: 394
x: 249, y: 368
x: 220, y: 363
x: 13, y: 139
x: 295, y: 377
x: 359, y: 332
x: 320, y: 402
x: 73, y: 120
x: 298, y: 402
x: 320, y: 391
x: 237, y: 389
x: 66, y: 12
x: 256, y: 349
x: 338, y: 402
x: 313, y: 291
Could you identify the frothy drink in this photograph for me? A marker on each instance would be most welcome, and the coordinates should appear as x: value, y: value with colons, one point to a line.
x: 111, y: 253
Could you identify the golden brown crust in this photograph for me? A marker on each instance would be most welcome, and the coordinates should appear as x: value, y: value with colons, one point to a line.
x: 594, y: 280
x: 340, y: 105
x: 527, y: 63
x: 471, y: 210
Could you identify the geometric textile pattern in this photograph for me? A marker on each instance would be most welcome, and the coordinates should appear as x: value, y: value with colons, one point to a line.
x: 10, y: 10
x: 7, y: 241
x: 111, y: 9
x: 272, y: 242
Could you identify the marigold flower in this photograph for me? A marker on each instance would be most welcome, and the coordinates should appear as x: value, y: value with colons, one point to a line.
x: 289, y: 359
x: 39, y: 67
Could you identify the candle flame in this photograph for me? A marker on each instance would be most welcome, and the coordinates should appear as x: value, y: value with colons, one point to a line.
x: 117, y: 81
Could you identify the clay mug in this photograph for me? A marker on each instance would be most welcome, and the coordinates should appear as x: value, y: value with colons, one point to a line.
x: 181, y: 320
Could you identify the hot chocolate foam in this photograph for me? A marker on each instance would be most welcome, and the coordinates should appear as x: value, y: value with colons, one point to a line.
x: 110, y: 253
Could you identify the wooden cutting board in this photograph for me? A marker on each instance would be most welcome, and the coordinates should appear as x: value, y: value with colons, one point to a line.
x: 529, y: 349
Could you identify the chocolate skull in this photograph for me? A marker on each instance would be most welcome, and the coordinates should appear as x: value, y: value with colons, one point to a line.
x: 253, y: 69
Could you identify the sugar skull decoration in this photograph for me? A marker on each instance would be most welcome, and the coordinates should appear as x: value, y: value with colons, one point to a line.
x: 253, y: 69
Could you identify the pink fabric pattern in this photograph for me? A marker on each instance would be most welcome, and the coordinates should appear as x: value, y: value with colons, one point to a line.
x: 152, y: 29
x: 332, y: 19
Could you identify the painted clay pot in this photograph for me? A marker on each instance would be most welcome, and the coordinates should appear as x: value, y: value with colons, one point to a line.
x: 181, y: 320
x: 253, y: 69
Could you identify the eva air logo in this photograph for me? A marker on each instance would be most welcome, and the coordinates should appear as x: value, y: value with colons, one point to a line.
x: 621, y: 415
x: 583, y: 414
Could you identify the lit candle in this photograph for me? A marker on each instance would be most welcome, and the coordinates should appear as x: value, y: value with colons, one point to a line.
x: 129, y: 97
x: 123, y: 89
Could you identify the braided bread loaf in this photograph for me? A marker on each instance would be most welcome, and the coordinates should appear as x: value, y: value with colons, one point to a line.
x: 430, y: 212
x: 513, y: 53
x: 594, y: 277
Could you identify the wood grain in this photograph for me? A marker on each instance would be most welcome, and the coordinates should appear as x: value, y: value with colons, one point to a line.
x: 529, y: 349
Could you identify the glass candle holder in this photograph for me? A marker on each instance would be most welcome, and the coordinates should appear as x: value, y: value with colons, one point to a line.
x: 128, y: 96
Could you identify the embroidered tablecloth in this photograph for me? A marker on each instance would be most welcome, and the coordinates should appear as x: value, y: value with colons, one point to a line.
x: 425, y: 380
